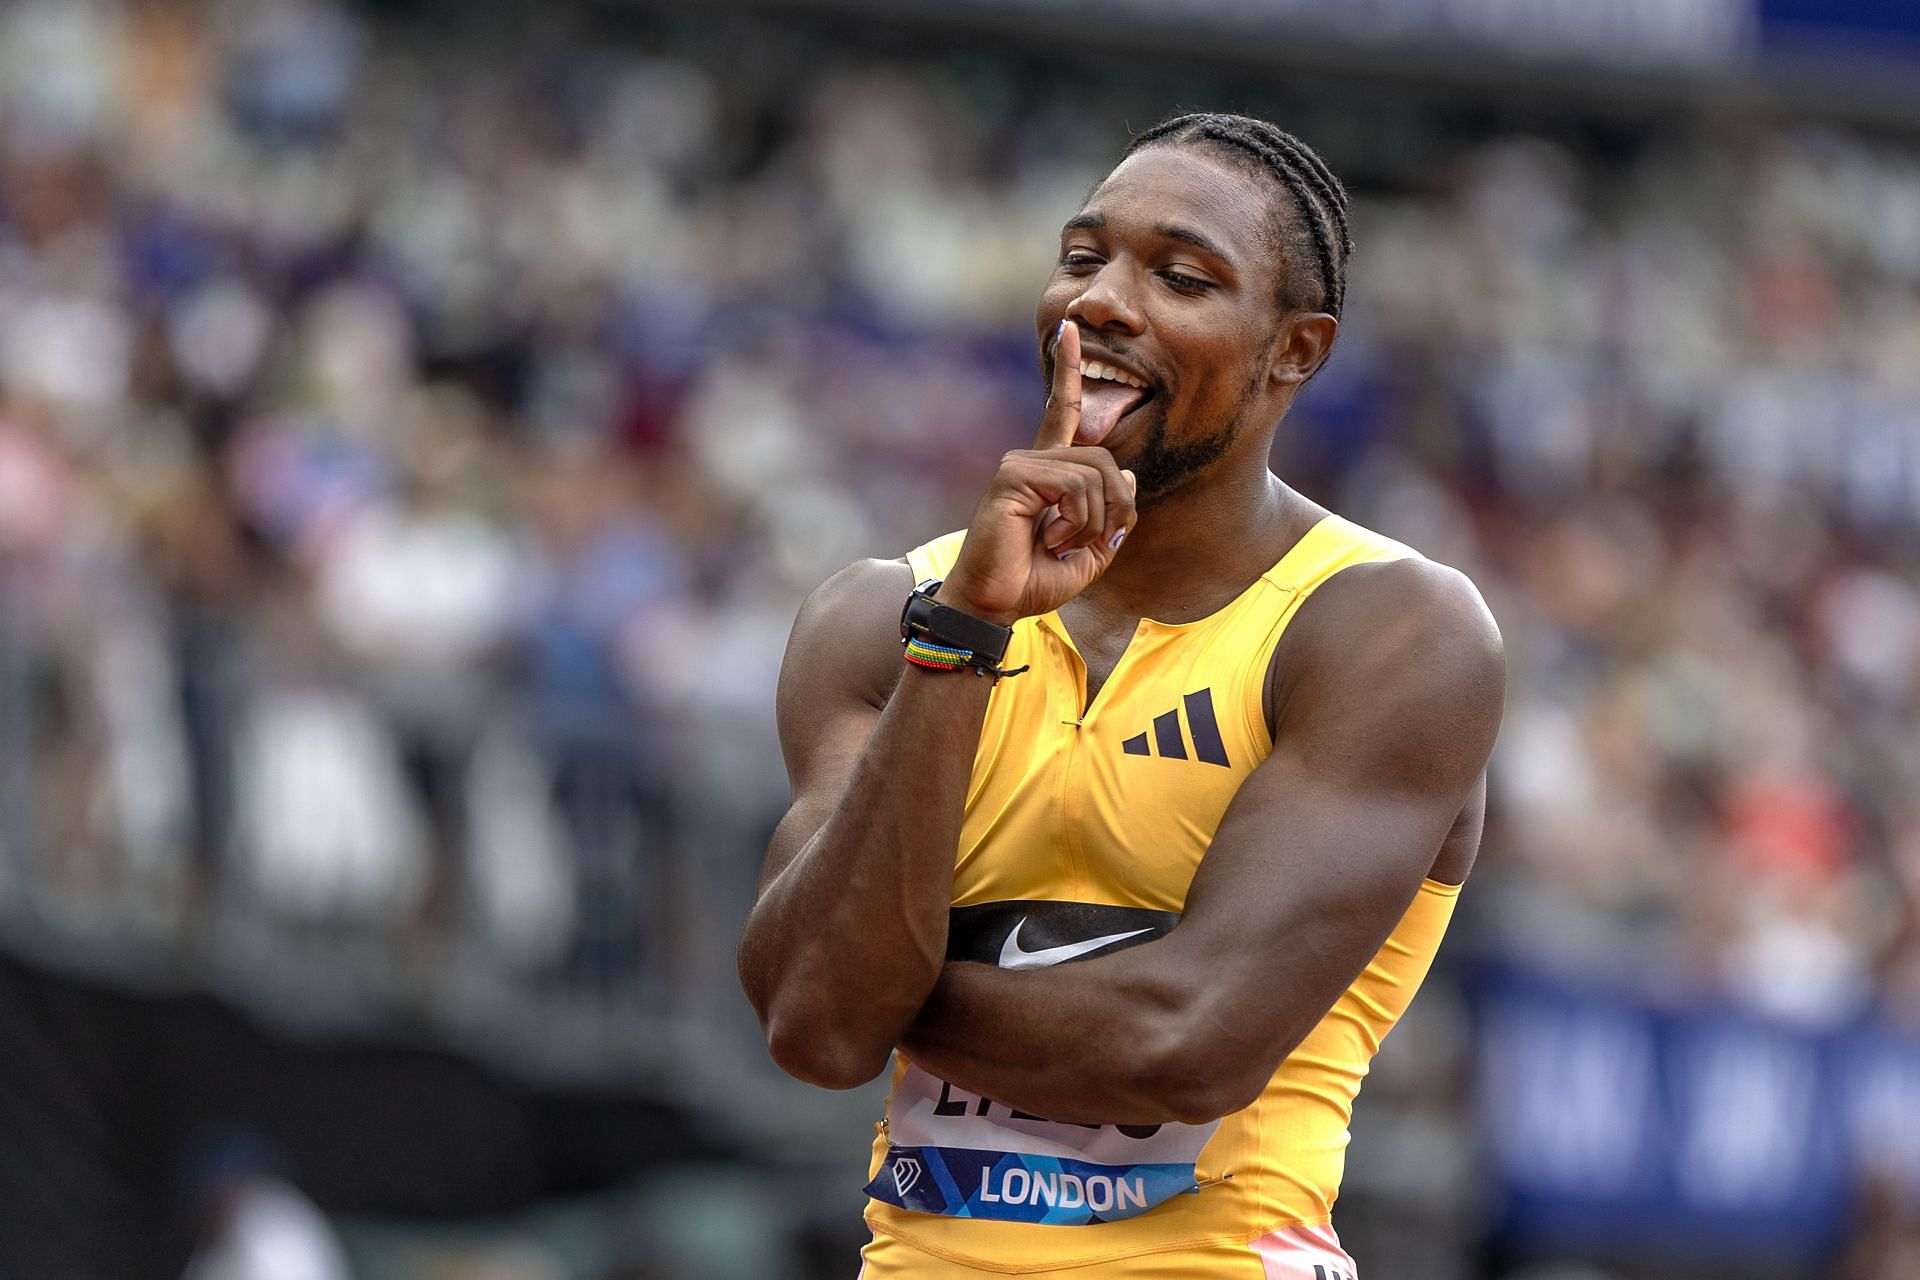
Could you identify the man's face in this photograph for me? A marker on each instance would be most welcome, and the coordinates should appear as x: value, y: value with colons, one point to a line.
x: 1169, y: 272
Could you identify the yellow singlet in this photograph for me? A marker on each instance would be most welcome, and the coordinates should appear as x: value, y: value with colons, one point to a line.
x: 1081, y: 835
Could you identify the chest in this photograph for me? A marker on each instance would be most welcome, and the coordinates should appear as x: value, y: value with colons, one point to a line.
x: 1109, y: 791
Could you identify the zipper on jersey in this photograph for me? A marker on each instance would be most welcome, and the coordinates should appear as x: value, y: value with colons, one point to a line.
x: 1074, y: 861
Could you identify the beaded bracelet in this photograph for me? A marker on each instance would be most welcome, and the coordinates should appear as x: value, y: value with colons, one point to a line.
x: 937, y: 656
x: 940, y: 657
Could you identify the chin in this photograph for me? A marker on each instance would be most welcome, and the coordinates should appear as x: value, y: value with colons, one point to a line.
x: 1162, y: 469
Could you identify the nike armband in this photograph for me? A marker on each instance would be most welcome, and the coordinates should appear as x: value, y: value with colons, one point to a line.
x: 942, y: 638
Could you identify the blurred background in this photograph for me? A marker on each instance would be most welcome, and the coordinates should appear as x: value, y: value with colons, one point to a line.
x: 419, y: 423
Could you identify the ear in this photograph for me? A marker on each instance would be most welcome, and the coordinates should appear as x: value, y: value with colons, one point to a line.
x: 1305, y: 342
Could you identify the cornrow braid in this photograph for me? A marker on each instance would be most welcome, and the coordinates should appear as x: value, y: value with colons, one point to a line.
x: 1317, y: 194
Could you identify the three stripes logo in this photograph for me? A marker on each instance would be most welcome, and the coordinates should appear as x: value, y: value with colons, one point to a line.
x: 1324, y: 1273
x: 1170, y: 743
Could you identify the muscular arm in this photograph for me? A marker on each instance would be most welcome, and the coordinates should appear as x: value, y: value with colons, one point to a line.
x: 849, y: 929
x: 846, y: 938
x: 1392, y: 693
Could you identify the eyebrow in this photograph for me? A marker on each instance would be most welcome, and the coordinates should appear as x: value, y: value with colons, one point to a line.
x: 1174, y: 231
x: 1165, y: 230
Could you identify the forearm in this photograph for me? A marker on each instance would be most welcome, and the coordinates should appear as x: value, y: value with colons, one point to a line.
x: 847, y: 939
x: 1096, y: 1042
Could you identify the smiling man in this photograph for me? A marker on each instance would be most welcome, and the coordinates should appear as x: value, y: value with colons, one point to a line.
x: 1132, y: 862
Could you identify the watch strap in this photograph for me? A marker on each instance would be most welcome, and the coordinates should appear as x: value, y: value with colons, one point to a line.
x: 928, y: 620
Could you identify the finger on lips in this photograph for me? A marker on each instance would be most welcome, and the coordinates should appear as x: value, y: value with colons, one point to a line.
x: 1091, y: 499
x: 1062, y: 417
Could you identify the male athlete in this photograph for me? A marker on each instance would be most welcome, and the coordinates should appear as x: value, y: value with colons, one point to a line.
x: 1152, y: 836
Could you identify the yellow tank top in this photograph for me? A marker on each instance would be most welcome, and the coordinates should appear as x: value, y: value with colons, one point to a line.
x: 1082, y: 832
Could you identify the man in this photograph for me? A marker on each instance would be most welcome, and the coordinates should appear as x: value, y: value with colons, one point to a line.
x: 1162, y: 717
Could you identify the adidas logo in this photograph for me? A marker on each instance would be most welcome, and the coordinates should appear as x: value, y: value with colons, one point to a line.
x: 1170, y: 743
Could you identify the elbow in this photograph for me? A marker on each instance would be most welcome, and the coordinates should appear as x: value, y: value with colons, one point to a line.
x: 817, y: 1056
x: 813, y: 1032
x: 1196, y: 1098
x: 801, y: 1040
x: 1191, y: 1079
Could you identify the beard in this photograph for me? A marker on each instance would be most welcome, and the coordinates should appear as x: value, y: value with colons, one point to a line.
x: 1163, y: 469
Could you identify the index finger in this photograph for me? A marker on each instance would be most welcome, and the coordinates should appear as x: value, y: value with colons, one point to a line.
x: 1062, y: 417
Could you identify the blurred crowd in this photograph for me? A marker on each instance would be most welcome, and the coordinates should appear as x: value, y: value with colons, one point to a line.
x: 1667, y: 414
x: 413, y: 450
x: 414, y: 444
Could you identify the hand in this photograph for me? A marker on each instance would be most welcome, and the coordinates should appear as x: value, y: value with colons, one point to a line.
x: 1053, y: 517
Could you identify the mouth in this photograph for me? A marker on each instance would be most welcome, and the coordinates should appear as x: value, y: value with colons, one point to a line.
x: 1108, y: 393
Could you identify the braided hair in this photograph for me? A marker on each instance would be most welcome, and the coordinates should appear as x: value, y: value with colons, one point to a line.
x: 1319, y: 197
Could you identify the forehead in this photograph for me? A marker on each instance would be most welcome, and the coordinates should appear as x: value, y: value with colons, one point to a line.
x: 1190, y: 187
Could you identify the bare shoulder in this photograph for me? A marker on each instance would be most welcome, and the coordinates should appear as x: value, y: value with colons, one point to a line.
x: 1411, y: 632
x: 869, y: 591
x: 1397, y: 603
x: 847, y: 636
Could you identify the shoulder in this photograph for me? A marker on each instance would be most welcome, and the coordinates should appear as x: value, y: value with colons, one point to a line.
x: 1397, y: 602
x: 1407, y: 631
x: 847, y: 636
x: 862, y: 591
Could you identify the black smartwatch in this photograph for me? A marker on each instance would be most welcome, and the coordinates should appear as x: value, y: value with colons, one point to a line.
x: 929, y: 622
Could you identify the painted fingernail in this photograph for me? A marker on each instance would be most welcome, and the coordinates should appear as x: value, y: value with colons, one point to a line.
x: 1063, y: 555
x: 1059, y: 331
x: 1118, y: 538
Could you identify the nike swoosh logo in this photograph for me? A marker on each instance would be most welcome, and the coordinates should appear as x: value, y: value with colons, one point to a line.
x: 1012, y: 957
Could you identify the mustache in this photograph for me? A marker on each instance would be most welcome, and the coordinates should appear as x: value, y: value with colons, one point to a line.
x: 1158, y: 382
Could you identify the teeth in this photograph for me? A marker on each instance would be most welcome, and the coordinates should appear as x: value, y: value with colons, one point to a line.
x: 1095, y: 369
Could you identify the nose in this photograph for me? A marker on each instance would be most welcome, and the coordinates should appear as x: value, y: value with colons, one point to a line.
x: 1108, y: 303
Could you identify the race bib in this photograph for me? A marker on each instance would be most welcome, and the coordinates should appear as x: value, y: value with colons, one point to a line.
x: 961, y: 1155
x: 964, y: 1156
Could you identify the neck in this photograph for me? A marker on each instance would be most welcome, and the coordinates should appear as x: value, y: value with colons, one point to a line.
x: 1197, y: 548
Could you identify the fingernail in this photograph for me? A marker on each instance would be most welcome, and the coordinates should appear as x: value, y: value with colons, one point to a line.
x: 1133, y: 484
x: 1119, y: 537
x: 1063, y: 555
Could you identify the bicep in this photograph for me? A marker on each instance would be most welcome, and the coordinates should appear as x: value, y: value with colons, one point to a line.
x: 1382, y: 736
x: 841, y: 664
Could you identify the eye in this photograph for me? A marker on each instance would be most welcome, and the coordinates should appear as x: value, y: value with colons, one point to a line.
x: 1186, y: 283
x: 1079, y: 258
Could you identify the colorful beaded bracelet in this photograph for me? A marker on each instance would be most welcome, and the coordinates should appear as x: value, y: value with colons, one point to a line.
x: 939, y: 657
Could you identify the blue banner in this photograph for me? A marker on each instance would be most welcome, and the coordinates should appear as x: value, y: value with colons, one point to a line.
x: 1617, y: 1127
x: 1860, y: 24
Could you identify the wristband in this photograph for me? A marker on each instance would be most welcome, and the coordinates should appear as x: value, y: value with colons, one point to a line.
x: 939, y: 657
x: 940, y: 637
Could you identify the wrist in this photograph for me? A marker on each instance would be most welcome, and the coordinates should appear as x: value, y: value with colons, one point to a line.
x: 955, y: 598
x: 937, y: 634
